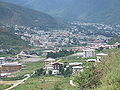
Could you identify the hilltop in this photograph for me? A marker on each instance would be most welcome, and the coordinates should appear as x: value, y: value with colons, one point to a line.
x: 12, y: 14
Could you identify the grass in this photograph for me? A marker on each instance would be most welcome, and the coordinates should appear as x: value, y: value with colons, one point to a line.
x: 111, y: 78
x: 39, y: 83
x: 30, y: 68
x: 70, y: 59
x: 2, y: 87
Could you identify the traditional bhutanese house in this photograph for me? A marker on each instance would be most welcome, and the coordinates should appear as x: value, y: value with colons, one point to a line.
x: 77, y: 69
x: 21, y: 54
x: 11, y: 67
x: 89, y: 53
x: 57, y: 65
x: 100, y: 56
x: 49, y: 61
x: 48, y: 68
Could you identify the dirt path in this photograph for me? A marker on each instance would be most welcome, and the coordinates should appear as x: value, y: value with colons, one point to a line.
x: 71, y: 83
x: 18, y: 83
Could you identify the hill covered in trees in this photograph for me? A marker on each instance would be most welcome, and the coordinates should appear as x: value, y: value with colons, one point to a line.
x: 12, y: 14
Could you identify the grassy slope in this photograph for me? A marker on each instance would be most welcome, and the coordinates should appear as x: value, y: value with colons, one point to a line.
x: 2, y: 87
x: 111, y: 76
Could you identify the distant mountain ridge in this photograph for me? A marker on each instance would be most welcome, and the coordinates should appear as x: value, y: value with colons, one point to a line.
x: 13, y: 14
x: 97, y: 11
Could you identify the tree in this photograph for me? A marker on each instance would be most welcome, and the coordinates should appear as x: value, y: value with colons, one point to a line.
x: 44, y: 72
x: 39, y: 71
x: 56, y: 87
x: 101, y: 48
x: 68, y: 72
x: 89, y: 78
x: 61, y: 70
x: 50, y: 72
x: 118, y: 46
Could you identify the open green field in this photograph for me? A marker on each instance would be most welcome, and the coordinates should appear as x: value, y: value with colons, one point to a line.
x: 46, y: 83
x: 2, y: 87
x: 110, y: 79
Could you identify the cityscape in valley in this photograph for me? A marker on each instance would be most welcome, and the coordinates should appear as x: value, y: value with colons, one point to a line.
x: 45, y: 46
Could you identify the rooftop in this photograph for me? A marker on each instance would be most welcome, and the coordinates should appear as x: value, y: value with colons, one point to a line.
x: 91, y: 60
x: 49, y: 59
x: 77, y: 67
x: 101, y: 54
x: 2, y: 58
x: 57, y: 63
x: 11, y: 64
x: 75, y: 63
x: 89, y: 50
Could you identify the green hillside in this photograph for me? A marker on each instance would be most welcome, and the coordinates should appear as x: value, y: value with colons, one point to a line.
x: 9, y: 40
x: 101, y: 76
x: 13, y: 14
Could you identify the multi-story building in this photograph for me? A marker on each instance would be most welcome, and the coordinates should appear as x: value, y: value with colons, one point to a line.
x: 89, y: 53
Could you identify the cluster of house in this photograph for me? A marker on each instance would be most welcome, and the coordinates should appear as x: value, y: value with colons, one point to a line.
x: 89, y: 53
x: 96, y: 46
x: 6, y: 68
x: 62, y: 37
x: 54, y: 66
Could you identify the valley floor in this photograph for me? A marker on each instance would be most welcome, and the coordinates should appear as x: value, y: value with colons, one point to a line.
x: 110, y: 79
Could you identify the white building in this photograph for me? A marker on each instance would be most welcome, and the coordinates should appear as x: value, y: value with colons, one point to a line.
x: 100, y: 56
x: 89, y: 53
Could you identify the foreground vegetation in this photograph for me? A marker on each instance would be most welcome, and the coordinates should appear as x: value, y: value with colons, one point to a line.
x: 2, y: 87
x: 102, y: 76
